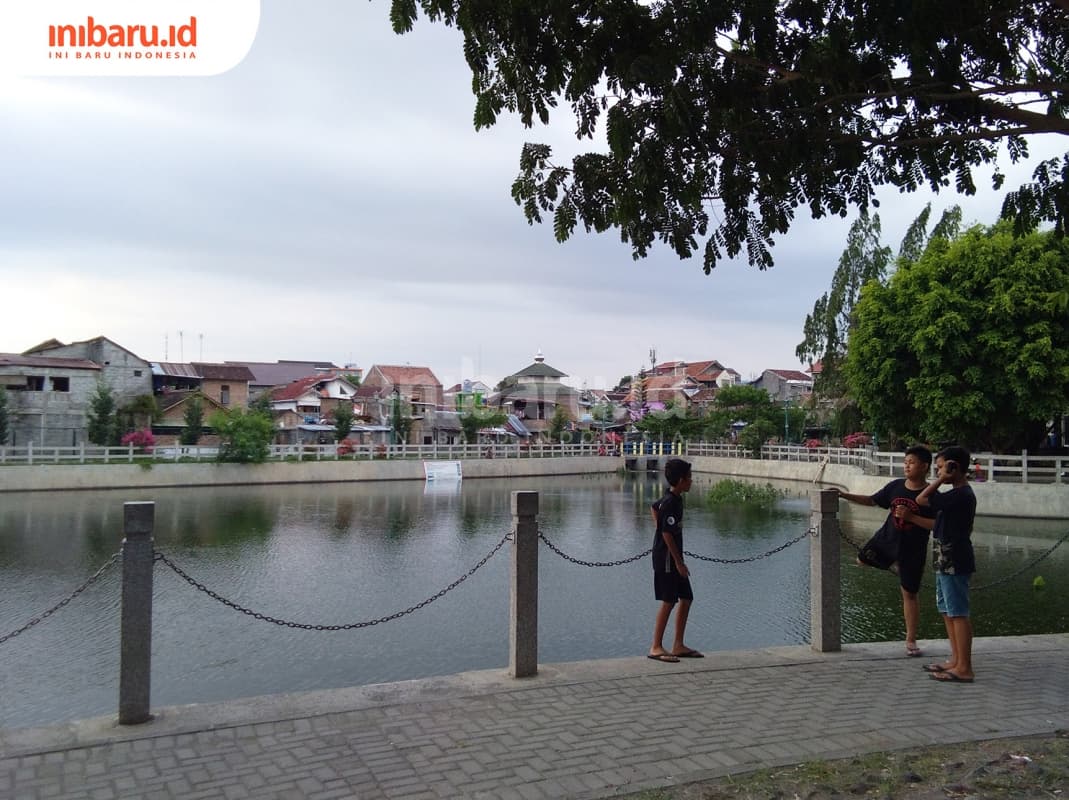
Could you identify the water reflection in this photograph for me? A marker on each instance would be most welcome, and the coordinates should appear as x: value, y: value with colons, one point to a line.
x: 354, y: 553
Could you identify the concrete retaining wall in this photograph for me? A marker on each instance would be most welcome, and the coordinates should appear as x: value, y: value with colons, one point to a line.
x: 1026, y: 501
x: 52, y: 477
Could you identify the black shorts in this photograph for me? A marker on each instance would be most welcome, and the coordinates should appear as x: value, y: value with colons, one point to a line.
x: 671, y: 587
x: 912, y: 553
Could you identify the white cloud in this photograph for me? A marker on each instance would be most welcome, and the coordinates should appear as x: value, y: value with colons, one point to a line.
x: 330, y: 199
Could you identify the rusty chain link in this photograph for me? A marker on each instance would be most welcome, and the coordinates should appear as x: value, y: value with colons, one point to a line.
x: 312, y: 627
x: 64, y: 601
x: 644, y: 553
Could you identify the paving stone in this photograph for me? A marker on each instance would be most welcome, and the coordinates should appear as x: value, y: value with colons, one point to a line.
x: 588, y: 738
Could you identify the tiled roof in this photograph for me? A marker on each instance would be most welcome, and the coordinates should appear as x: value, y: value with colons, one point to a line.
x: 407, y: 375
x: 662, y: 386
x: 692, y: 368
x: 698, y: 367
x: 539, y: 369
x: 53, y: 344
x: 792, y: 374
x: 283, y: 372
x: 365, y: 391
x: 19, y: 360
x: 705, y: 395
x: 553, y: 392
x: 224, y: 372
x: 299, y: 388
x: 173, y: 397
x: 444, y: 420
x: 174, y: 370
x: 48, y: 344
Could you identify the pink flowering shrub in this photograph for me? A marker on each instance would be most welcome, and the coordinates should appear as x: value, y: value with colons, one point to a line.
x: 858, y: 439
x: 142, y: 440
x: 812, y: 444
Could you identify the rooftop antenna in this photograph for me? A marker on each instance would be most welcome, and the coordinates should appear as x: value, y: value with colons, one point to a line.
x: 653, y: 359
x: 181, y: 348
x: 201, y: 356
x: 165, y: 348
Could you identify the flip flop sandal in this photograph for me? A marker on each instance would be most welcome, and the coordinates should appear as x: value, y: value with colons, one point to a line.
x: 667, y: 658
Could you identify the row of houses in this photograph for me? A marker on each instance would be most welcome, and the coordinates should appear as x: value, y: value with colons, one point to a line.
x: 50, y: 388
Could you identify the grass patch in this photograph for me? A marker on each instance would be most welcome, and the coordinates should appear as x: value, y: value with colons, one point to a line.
x: 997, y: 769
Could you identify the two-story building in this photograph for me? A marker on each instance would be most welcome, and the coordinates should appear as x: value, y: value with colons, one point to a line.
x: 786, y: 385
x: 54, y: 384
x: 711, y: 374
x: 271, y: 375
x: 226, y: 384
x: 414, y: 391
x: 304, y: 409
x: 127, y: 374
x: 47, y: 398
x: 533, y: 395
x: 664, y: 390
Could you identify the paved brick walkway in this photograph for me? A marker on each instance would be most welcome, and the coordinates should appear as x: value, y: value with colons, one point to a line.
x: 585, y: 730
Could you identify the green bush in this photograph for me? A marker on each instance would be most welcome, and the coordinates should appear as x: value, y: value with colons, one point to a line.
x: 740, y: 493
x: 244, y: 437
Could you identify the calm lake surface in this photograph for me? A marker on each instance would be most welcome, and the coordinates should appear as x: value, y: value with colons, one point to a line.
x: 346, y: 553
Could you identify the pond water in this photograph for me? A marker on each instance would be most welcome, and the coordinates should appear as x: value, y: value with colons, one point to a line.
x: 346, y: 553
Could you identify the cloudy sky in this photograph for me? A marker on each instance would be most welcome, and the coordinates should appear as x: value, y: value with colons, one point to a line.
x: 330, y: 199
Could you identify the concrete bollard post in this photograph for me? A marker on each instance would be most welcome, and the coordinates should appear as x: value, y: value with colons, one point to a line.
x: 825, y: 594
x: 523, y: 606
x: 136, y: 629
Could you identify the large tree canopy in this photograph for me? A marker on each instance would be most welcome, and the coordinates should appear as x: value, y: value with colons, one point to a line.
x: 723, y: 117
x: 969, y: 343
x: 865, y: 259
x: 826, y: 329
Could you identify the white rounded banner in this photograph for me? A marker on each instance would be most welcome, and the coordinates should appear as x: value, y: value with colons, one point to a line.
x: 125, y: 37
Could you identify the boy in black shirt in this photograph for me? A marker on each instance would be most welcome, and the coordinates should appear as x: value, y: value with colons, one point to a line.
x: 902, y: 545
x: 671, y: 577
x: 955, y: 560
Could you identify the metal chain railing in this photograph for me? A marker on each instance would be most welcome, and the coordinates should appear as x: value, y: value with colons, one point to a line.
x: 313, y: 627
x: 644, y: 553
x: 45, y: 615
x: 582, y: 563
x: 848, y: 540
x: 1028, y: 566
x: 1000, y: 581
x: 766, y: 554
x: 507, y: 537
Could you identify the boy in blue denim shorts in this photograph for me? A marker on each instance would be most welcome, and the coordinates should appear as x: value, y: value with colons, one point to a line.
x: 953, y: 558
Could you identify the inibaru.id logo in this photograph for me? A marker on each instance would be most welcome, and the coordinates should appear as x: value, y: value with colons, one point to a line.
x: 126, y: 37
x: 94, y: 34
